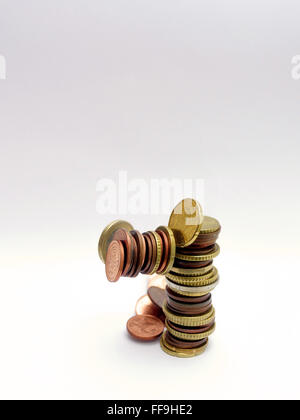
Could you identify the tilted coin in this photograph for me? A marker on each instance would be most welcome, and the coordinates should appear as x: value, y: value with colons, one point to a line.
x: 158, y: 247
x: 209, y: 225
x: 124, y: 236
x: 114, y: 261
x: 145, y: 327
x: 135, y: 257
x: 141, y: 251
x: 172, y: 248
x: 165, y: 251
x: 149, y: 253
x: 107, y: 235
x: 145, y: 306
x: 185, y: 221
x: 157, y: 295
x: 157, y: 280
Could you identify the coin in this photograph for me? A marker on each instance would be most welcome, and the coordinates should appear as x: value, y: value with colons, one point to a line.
x: 189, y: 308
x: 177, y: 352
x: 124, y: 236
x: 206, y: 239
x: 165, y: 251
x: 185, y: 221
x: 192, y: 289
x: 191, y: 264
x: 145, y: 327
x: 148, y: 255
x: 172, y: 247
x: 107, y: 235
x: 135, y: 257
x: 197, y: 321
x: 191, y: 272
x: 181, y: 343
x: 114, y: 261
x: 207, y: 257
x: 209, y: 225
x: 144, y: 306
x: 190, y: 330
x: 191, y: 299
x: 196, y: 250
x: 158, y: 247
x: 153, y: 253
x: 157, y: 280
x: 141, y: 251
x: 157, y: 295
x: 203, y: 280
x: 188, y: 336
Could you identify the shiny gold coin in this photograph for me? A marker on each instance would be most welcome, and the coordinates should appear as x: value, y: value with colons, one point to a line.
x: 185, y: 221
x: 191, y: 337
x: 158, y: 242
x: 190, y: 321
x: 183, y: 353
x: 207, y: 257
x: 209, y: 225
x: 203, y: 280
x: 172, y: 248
x: 107, y: 235
x: 190, y: 294
x: 192, y: 272
x: 193, y: 289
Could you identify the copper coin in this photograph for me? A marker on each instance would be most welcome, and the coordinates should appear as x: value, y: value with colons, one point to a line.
x: 145, y: 327
x: 184, y: 344
x: 134, y: 257
x: 144, y: 306
x: 189, y: 308
x: 187, y: 299
x: 157, y: 296
x: 147, y: 251
x: 141, y: 251
x: 191, y: 264
x: 157, y: 281
x: 206, y: 239
x: 114, y: 262
x: 165, y: 251
x: 191, y: 330
x: 154, y: 251
x: 197, y: 251
x: 148, y: 259
x: 126, y: 239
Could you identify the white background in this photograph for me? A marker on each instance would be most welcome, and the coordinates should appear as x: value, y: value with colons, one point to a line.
x: 187, y: 89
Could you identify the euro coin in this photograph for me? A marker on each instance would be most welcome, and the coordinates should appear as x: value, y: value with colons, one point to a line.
x: 145, y: 327
x: 107, y: 234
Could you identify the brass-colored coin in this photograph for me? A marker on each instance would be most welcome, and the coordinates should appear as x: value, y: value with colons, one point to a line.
x: 187, y: 299
x: 199, y: 281
x: 158, y: 247
x: 107, y: 235
x: 193, y: 289
x: 165, y: 251
x: 209, y: 225
x: 172, y: 248
x: 191, y: 320
x: 183, y: 353
x: 210, y: 256
x: 185, y: 222
x: 173, y: 341
x: 189, y: 329
x: 192, y: 272
x: 184, y: 336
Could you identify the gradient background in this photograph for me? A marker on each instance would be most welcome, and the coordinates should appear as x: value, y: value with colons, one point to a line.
x: 189, y: 89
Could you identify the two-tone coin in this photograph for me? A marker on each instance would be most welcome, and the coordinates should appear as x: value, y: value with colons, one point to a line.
x: 107, y: 236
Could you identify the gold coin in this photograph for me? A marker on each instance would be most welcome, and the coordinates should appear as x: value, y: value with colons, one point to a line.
x: 158, y: 252
x: 204, y: 280
x: 185, y: 222
x: 190, y: 321
x: 172, y: 247
x: 190, y: 294
x: 209, y: 225
x: 193, y: 289
x: 206, y: 257
x: 192, y: 272
x: 191, y: 337
x: 107, y: 235
x: 183, y: 353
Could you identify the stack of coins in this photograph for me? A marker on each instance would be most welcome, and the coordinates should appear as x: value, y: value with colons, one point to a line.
x: 126, y: 252
x: 190, y: 316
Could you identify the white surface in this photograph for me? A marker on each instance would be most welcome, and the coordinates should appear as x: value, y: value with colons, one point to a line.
x: 184, y: 89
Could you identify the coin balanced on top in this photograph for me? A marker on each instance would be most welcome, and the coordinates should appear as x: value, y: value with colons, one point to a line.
x: 179, y: 260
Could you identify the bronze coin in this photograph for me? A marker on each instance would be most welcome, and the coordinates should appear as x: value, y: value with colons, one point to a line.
x: 144, y: 306
x: 189, y: 308
x: 126, y: 239
x: 191, y: 264
x: 145, y: 327
x: 141, y: 251
x: 206, y: 239
x: 154, y: 251
x: 184, y: 344
x: 191, y: 330
x: 134, y: 257
x: 148, y: 259
x: 114, y: 262
x: 157, y: 280
x: 187, y: 299
x: 197, y: 250
x: 165, y: 251
x: 157, y: 296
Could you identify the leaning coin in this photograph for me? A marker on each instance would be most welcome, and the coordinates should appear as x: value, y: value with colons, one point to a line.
x: 144, y: 306
x: 185, y: 221
x: 114, y: 261
x: 157, y: 295
x: 145, y: 327
x: 107, y: 235
x: 157, y: 280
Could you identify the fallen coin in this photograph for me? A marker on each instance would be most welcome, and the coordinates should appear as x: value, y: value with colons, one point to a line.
x: 145, y: 327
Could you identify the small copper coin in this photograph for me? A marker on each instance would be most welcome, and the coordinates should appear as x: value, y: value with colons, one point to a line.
x: 191, y: 264
x: 144, y: 306
x: 154, y: 252
x: 189, y: 308
x: 149, y: 254
x: 187, y: 299
x: 126, y: 239
x: 145, y: 327
x: 197, y: 251
x: 134, y: 257
x: 157, y: 281
x: 141, y: 251
x: 165, y: 251
x: 114, y: 261
x: 184, y: 344
x: 157, y: 296
x: 191, y: 330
